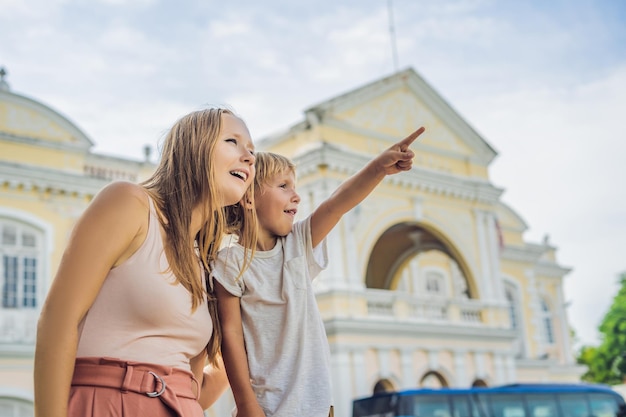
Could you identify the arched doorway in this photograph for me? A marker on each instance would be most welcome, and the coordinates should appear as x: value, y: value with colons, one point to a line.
x: 479, y: 383
x: 433, y: 379
x: 383, y: 385
x: 401, y: 247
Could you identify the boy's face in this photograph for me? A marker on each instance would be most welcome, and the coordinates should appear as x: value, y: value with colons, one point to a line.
x: 276, y: 205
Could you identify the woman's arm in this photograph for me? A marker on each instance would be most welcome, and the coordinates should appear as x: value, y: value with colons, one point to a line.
x: 213, y: 381
x: 234, y: 354
x: 112, y: 227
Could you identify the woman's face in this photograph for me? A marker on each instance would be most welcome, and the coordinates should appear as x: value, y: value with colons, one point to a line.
x: 233, y: 160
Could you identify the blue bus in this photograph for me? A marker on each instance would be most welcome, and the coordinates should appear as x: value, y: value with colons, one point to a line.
x: 516, y: 400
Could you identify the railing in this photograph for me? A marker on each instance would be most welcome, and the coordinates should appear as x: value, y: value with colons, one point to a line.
x: 110, y: 174
x: 18, y: 326
x: 400, y: 305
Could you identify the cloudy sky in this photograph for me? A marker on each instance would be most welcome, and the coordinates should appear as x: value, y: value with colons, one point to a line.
x: 544, y: 82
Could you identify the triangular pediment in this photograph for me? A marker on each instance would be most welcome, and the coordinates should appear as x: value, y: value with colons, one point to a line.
x: 394, y: 106
x: 400, y: 111
x: 25, y: 119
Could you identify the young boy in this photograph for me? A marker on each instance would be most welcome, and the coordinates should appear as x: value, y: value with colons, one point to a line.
x: 274, y: 344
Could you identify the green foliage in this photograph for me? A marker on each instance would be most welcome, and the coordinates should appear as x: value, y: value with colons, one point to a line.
x: 607, y: 363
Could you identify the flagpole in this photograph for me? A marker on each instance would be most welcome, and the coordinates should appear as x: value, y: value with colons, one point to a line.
x: 392, y: 33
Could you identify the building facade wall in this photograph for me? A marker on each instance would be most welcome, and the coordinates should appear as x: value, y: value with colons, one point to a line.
x: 430, y: 280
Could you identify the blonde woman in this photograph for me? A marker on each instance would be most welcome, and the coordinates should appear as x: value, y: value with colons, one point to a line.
x: 128, y: 326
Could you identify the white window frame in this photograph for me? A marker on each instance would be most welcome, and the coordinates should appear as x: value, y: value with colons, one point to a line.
x: 16, y: 263
x: 547, y: 322
x: 439, y: 276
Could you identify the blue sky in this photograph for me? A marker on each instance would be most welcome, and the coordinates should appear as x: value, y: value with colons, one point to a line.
x: 544, y: 82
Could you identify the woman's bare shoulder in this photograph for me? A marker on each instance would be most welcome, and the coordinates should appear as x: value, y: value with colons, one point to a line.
x: 123, y: 195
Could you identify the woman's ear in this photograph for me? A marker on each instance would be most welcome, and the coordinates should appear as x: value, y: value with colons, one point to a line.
x: 247, y: 203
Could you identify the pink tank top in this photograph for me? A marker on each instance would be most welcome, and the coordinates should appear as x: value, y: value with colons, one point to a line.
x: 141, y: 314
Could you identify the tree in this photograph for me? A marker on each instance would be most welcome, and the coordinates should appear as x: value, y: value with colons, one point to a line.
x: 606, y: 363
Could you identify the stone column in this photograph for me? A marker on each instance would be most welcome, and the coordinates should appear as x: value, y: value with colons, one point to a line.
x: 565, y: 342
x: 494, y: 256
x: 460, y: 369
x: 383, y: 362
x: 361, y: 388
x: 536, y: 315
x: 483, y: 248
x: 510, y: 369
x: 498, y: 364
x: 479, y: 364
x: 342, y: 387
x: 352, y: 263
x: 409, y: 380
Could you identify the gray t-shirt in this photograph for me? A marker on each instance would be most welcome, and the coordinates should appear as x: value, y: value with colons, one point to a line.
x: 286, y: 344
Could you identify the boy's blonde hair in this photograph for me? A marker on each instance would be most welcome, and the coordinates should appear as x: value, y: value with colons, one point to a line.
x: 267, y: 165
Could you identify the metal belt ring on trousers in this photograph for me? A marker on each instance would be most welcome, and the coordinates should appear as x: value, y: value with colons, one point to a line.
x: 163, y: 385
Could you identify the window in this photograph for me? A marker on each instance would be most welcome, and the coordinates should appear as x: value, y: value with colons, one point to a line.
x: 603, y: 405
x: 511, y: 299
x: 434, y: 283
x: 433, y: 379
x: 503, y: 405
x: 434, y: 405
x: 542, y: 405
x: 20, y: 254
x: 546, y: 320
x: 574, y: 405
x: 383, y: 385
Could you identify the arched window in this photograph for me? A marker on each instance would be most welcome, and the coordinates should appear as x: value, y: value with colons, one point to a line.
x: 383, y: 385
x: 511, y: 298
x: 433, y: 379
x: 20, y: 265
x: 479, y: 383
x: 546, y: 321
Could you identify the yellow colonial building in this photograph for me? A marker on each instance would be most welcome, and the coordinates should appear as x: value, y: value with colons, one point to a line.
x: 48, y: 175
x: 430, y: 281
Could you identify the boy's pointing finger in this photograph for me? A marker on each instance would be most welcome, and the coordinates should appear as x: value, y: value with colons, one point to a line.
x: 406, y: 142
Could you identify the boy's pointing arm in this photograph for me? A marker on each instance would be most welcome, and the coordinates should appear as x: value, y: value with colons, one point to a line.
x: 351, y: 192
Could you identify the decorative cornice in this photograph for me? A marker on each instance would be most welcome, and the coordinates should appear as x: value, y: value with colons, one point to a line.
x: 347, y: 162
x: 531, y: 254
x: 32, y: 177
x: 386, y: 328
x: 42, y: 143
x: 551, y: 364
x: 526, y: 254
x: 551, y: 270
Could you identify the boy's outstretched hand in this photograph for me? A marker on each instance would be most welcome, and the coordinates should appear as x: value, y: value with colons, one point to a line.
x: 399, y: 157
x: 352, y: 191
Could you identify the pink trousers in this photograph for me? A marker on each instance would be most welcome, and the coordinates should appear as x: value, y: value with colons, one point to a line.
x: 106, y: 387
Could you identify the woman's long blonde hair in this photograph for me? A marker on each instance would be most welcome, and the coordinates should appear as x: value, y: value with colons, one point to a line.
x: 183, y: 180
